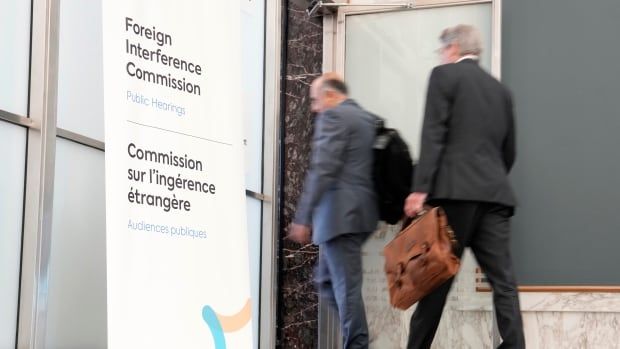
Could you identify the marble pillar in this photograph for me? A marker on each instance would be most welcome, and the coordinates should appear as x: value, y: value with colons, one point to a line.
x: 298, y: 301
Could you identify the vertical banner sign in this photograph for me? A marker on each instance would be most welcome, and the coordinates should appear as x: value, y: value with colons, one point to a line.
x: 177, y: 253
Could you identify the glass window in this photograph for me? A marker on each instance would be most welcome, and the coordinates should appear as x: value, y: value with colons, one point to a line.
x: 80, y: 68
x: 14, y: 56
x: 252, y: 60
x: 76, y: 315
x: 254, y: 213
x: 12, y: 168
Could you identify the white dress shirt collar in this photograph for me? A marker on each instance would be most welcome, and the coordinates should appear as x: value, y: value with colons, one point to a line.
x: 474, y: 57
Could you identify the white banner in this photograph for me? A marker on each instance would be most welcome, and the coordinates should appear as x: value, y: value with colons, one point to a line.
x: 177, y: 251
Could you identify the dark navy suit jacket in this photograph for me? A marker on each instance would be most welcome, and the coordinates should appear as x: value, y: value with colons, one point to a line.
x: 468, y: 137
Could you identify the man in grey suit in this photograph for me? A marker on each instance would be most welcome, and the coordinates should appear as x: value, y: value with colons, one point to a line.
x: 468, y: 148
x: 338, y: 203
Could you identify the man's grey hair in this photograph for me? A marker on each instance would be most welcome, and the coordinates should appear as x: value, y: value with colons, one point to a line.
x: 466, y: 36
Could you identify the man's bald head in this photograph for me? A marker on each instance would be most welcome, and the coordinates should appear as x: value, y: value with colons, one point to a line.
x: 327, y: 91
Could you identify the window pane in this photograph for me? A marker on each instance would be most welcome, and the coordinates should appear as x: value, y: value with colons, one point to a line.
x: 14, y: 55
x: 12, y: 167
x: 76, y: 315
x: 252, y: 50
x: 80, y: 68
x: 254, y: 242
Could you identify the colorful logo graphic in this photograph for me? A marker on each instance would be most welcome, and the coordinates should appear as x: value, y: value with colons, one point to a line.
x: 218, y: 324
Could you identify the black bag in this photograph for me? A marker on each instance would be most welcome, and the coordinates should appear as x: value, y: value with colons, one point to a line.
x: 392, y: 172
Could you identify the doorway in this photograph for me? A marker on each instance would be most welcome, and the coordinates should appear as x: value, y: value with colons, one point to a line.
x: 386, y: 54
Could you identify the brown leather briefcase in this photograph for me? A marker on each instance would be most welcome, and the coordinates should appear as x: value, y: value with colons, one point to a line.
x: 420, y: 258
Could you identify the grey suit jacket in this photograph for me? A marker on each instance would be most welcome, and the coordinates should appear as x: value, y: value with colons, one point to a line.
x: 338, y: 196
x: 468, y: 137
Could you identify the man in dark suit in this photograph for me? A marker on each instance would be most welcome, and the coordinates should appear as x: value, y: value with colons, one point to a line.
x: 339, y: 201
x: 468, y: 148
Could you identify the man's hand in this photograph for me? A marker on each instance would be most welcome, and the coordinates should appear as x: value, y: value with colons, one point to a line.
x: 414, y: 203
x: 299, y: 233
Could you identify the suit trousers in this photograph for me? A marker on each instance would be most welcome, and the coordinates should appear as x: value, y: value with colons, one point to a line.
x: 339, y: 280
x: 485, y: 228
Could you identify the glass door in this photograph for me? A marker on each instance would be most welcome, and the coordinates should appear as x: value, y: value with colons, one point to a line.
x: 386, y: 57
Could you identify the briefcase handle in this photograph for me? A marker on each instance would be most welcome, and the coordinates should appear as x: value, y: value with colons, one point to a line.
x: 408, y: 220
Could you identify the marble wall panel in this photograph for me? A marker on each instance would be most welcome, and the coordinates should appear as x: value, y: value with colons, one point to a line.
x: 298, y: 302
